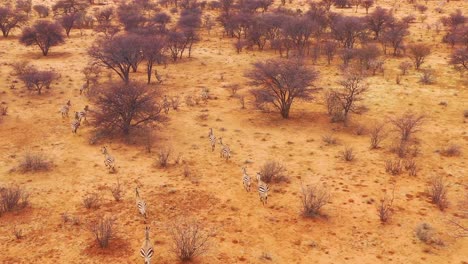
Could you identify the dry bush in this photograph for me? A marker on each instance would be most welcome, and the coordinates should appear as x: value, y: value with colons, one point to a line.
x: 233, y: 88
x: 33, y: 162
x: 3, y: 110
x: 393, y: 167
x: 148, y: 139
x: 74, y: 220
x: 465, y: 113
x: 427, y: 77
x: 451, y: 151
x: 330, y: 139
x: 273, y: 171
x: 103, y: 230
x: 425, y: 233
x: 347, y: 154
x: 398, y: 79
x: 313, y: 199
x: 360, y: 130
x: 189, y: 100
x: 411, y: 167
x: 117, y: 191
x: 187, y: 171
x: 175, y: 102
x: 190, y: 239
x: 438, y: 192
x: 385, y: 208
x: 13, y: 198
x: 377, y: 134
x: 18, y: 233
x: 404, y: 67
x: 241, y: 101
x: 92, y: 201
x: 163, y: 156
x: 404, y: 149
x: 407, y: 124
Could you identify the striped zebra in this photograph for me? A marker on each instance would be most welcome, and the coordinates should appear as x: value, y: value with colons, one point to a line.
x: 109, y: 161
x: 65, y: 109
x: 225, y: 151
x: 212, y: 138
x: 166, y: 105
x: 262, y: 189
x: 84, y: 88
x: 147, y: 251
x: 246, y: 179
x: 82, y: 114
x: 140, y: 203
x: 75, y: 125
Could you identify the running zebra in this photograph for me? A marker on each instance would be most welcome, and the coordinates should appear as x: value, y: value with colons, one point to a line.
x: 65, y: 109
x: 225, y: 151
x: 262, y: 189
x: 109, y: 161
x: 245, y: 179
x: 140, y: 203
x: 84, y: 88
x: 82, y: 114
x: 75, y: 125
x: 147, y: 251
x: 166, y: 105
x: 212, y: 138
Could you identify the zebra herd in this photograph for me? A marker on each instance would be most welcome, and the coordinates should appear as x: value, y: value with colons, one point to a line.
x: 225, y: 153
x: 146, y: 250
x: 79, y: 116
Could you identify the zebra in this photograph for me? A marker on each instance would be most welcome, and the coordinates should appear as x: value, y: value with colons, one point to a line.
x: 262, y: 189
x: 147, y: 251
x: 245, y: 179
x: 205, y: 94
x: 109, y: 161
x: 225, y: 150
x: 65, y: 109
x: 158, y: 77
x: 82, y: 114
x: 84, y: 88
x: 75, y: 125
x: 166, y: 105
x: 140, y: 203
x: 212, y: 138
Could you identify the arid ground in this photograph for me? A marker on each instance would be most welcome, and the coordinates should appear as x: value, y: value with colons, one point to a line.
x: 243, y: 230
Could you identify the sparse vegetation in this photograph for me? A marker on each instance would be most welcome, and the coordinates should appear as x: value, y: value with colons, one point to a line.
x: 385, y: 208
x: 103, y: 230
x: 438, y: 192
x: 273, y: 172
x: 407, y: 124
x: 377, y: 135
x: 13, y: 198
x: 329, y: 139
x: 394, y: 167
x: 314, y: 197
x: 452, y: 150
x: 117, y: 191
x: 347, y: 154
x: 190, y: 239
x: 34, y: 162
x: 92, y: 200
x: 163, y: 156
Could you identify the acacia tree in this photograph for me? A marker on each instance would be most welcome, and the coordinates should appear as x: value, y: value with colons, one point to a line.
x: 394, y: 35
x: 37, y: 80
x: 44, y: 34
x: 419, y: 52
x: 459, y: 59
x: 10, y: 19
x: 68, y: 21
x: 347, y: 29
x: 367, y: 4
x: 69, y: 6
x: 119, y: 54
x: 379, y: 20
x: 153, y: 48
x: 352, y: 89
x: 121, y: 107
x: 281, y: 81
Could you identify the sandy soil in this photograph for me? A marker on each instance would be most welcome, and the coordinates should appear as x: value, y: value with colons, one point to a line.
x: 350, y: 231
